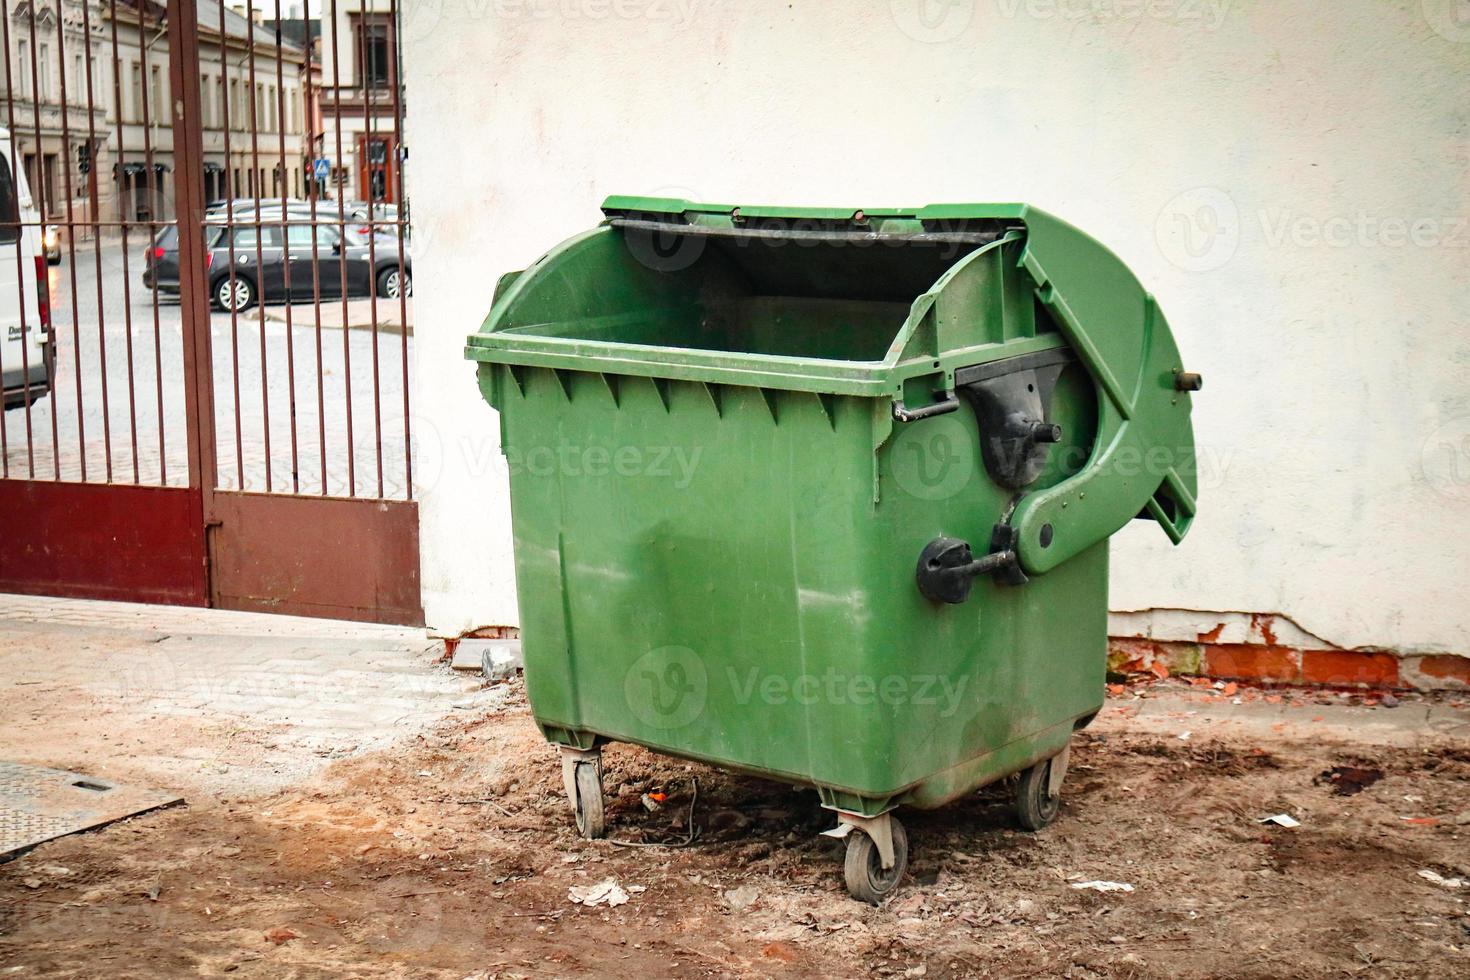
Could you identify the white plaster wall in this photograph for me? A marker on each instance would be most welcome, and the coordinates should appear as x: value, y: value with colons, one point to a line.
x: 1291, y: 178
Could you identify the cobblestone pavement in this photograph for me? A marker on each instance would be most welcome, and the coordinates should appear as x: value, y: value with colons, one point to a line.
x: 202, y: 700
x: 324, y: 369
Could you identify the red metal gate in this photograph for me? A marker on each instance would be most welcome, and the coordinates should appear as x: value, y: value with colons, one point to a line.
x: 247, y: 445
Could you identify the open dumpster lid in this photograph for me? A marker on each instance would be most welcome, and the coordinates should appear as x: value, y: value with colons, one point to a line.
x: 716, y: 294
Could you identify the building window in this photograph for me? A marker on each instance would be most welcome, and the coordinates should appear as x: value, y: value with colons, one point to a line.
x: 137, y: 75
x: 44, y: 70
x: 25, y: 69
x: 271, y: 109
x: 156, y: 92
x: 374, y: 55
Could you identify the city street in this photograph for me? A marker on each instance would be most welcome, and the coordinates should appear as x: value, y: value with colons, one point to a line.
x: 115, y: 336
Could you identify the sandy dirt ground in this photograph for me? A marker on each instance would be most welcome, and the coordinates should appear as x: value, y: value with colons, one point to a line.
x: 453, y: 856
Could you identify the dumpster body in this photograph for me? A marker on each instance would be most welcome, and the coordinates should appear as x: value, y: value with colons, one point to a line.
x: 824, y: 495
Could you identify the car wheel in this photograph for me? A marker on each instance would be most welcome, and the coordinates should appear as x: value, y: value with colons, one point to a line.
x: 234, y: 295
x: 390, y: 283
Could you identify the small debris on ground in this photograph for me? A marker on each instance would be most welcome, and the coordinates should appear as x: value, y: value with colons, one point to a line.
x: 1103, y: 886
x: 1349, y: 780
x: 739, y: 899
x: 1281, y: 820
x: 606, y: 892
x: 1439, y: 879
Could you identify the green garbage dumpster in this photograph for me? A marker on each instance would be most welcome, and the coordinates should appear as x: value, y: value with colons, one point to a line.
x: 824, y: 495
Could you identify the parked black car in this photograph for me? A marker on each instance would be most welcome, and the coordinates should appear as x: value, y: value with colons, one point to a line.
x: 261, y: 264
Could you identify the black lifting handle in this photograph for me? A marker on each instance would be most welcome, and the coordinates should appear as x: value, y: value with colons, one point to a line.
x: 947, y: 568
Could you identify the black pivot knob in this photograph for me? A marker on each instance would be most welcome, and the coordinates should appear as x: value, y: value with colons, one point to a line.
x: 1046, y: 432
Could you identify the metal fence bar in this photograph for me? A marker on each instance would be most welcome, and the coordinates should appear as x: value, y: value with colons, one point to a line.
x: 342, y: 257
x: 366, y: 151
x: 188, y: 149
x: 127, y: 278
x: 71, y: 246
x: 286, y: 256
x: 19, y: 276
x: 260, y: 272
x: 153, y: 225
x: 316, y: 294
x: 402, y: 231
x: 96, y: 243
x: 16, y: 167
x: 230, y: 191
x: 39, y: 194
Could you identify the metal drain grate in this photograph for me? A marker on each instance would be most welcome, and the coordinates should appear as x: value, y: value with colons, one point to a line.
x: 39, y: 804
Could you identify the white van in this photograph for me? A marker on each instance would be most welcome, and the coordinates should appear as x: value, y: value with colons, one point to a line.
x: 27, y: 354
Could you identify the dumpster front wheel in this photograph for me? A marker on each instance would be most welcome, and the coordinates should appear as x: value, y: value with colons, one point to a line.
x: 591, y: 822
x: 1038, y: 796
x: 581, y: 773
x: 867, y: 879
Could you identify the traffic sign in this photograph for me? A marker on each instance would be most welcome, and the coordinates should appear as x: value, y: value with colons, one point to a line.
x: 321, y: 167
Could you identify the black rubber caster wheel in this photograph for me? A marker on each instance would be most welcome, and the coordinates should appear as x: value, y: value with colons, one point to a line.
x: 867, y: 881
x: 591, y: 820
x: 1035, y: 807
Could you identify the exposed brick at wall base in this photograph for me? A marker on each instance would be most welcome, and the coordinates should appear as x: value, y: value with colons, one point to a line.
x: 1276, y: 664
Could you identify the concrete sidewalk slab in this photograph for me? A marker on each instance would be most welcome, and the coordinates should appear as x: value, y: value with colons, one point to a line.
x: 206, y: 700
x: 359, y: 315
